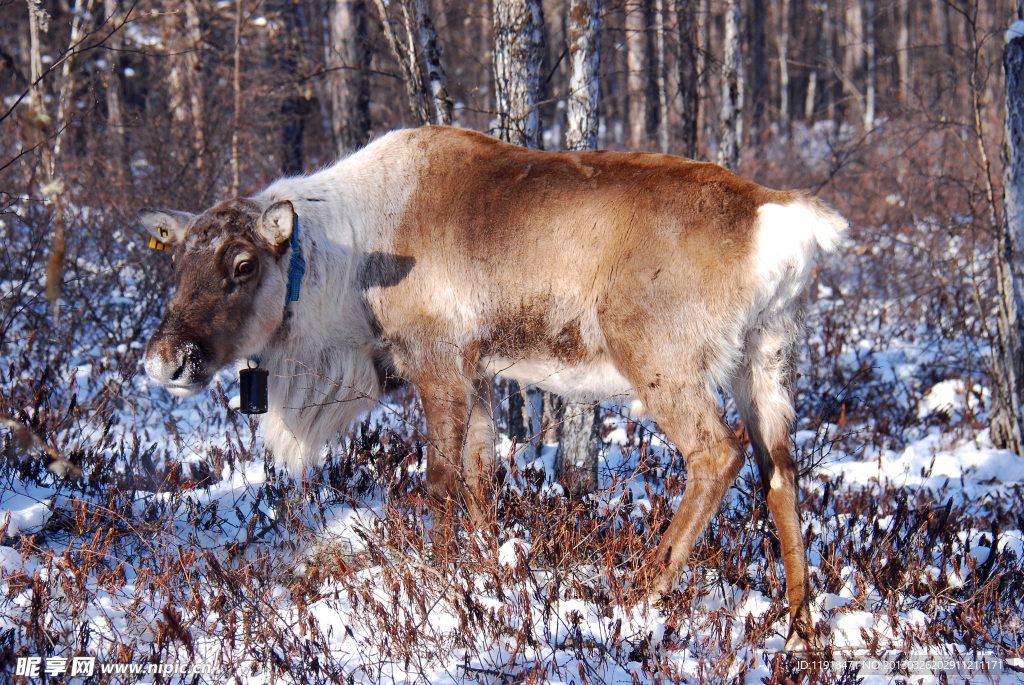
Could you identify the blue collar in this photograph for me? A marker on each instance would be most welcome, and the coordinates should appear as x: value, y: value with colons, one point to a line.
x: 297, y: 268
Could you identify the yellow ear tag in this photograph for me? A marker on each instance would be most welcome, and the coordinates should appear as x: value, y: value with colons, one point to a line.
x: 157, y: 245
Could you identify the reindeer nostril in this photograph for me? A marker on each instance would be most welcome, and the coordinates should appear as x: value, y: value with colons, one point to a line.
x: 188, y: 357
x: 177, y: 372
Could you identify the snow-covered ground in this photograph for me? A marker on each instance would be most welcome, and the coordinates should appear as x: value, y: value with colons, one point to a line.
x: 570, y: 638
x: 179, y: 544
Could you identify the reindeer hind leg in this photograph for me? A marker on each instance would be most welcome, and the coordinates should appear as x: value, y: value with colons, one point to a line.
x: 689, y: 415
x: 761, y: 391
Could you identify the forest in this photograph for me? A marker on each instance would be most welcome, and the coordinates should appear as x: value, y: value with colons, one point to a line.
x: 139, y: 530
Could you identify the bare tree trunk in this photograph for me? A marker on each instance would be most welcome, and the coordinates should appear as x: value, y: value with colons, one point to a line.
x: 580, y: 447
x: 38, y: 22
x: 405, y: 53
x: 904, y: 8
x: 517, y: 413
x: 705, y: 113
x: 818, y: 52
x: 853, y: 45
x: 436, y: 81
x: 945, y: 30
x: 54, y: 187
x: 988, y: 19
x: 295, y: 107
x: 636, y: 54
x: 731, y: 107
x: 782, y: 14
x: 115, y: 117
x: 348, y: 58
x: 518, y: 62
x: 833, y: 88
x: 869, y: 65
x: 486, y: 101
x: 584, y: 81
x: 197, y: 95
x: 1007, y: 416
x: 689, y: 93
x: 551, y: 417
x: 79, y: 25
x: 236, y: 178
x: 659, y: 36
x: 760, y: 64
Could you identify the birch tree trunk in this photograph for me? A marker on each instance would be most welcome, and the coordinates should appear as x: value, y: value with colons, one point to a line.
x: 576, y: 464
x: 818, y: 55
x: 869, y: 65
x: 518, y: 62
x: 405, y: 53
x: 689, y: 47
x: 197, y: 95
x: 904, y: 9
x: 348, y: 58
x: 54, y: 187
x: 584, y: 80
x: 1007, y: 428
x: 82, y: 14
x: 436, y: 81
x: 115, y: 117
x: 853, y: 44
x: 731, y: 108
x: 39, y: 125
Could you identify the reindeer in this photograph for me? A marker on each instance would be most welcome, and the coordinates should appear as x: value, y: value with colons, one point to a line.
x: 442, y: 257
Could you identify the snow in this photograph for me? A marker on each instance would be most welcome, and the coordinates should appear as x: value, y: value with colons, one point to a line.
x: 1016, y: 30
x: 970, y: 470
x: 951, y: 398
x: 969, y: 466
x: 23, y: 510
x: 509, y: 554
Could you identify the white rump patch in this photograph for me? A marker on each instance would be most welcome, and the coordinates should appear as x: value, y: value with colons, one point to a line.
x: 788, y: 238
x: 788, y: 234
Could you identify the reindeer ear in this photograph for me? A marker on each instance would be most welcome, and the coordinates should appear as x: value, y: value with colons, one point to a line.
x: 166, y: 225
x: 277, y: 223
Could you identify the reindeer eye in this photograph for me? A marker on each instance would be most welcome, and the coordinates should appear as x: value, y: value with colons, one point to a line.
x: 244, y: 268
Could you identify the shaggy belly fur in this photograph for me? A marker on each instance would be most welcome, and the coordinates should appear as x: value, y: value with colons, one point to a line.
x: 592, y: 380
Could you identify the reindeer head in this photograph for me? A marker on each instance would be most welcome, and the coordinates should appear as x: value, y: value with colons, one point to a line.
x: 230, y: 287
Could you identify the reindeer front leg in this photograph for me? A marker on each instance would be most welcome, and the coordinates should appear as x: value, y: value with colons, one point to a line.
x: 459, y: 438
x: 446, y: 407
x: 478, y: 453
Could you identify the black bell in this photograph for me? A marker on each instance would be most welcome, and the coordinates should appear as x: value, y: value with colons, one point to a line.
x: 252, y: 387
